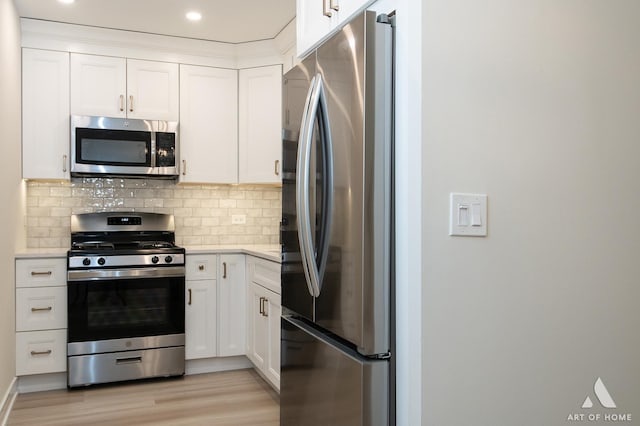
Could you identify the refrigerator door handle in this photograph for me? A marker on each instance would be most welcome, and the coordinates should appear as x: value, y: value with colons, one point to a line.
x: 314, y: 263
x: 327, y: 205
x: 302, y: 185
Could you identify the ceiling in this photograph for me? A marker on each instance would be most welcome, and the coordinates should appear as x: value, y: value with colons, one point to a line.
x: 232, y: 21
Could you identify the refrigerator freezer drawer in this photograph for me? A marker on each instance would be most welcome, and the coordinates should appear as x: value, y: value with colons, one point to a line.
x: 325, y: 383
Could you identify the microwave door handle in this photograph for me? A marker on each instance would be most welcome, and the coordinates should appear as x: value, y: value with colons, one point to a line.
x: 302, y: 188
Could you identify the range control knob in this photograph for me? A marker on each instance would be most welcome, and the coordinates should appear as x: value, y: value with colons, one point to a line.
x: 168, y: 259
x: 86, y: 261
x: 101, y: 261
x: 155, y: 259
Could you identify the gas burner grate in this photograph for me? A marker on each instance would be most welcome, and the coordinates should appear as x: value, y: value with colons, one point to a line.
x: 92, y: 245
x: 155, y: 244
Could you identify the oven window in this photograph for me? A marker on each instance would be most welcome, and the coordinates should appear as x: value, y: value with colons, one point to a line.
x: 113, y: 147
x: 114, y: 309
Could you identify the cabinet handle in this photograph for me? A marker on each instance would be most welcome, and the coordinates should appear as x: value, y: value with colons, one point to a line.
x: 261, y: 306
x: 265, y: 310
x: 277, y: 168
x: 325, y: 10
x: 130, y: 103
x: 64, y: 163
x: 224, y: 269
x: 47, y: 352
x: 121, y: 103
x: 36, y: 273
x: 48, y: 308
x: 184, y: 167
x: 334, y: 5
x: 189, y: 297
x: 200, y: 267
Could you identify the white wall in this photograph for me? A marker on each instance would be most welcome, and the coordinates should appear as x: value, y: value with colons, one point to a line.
x: 536, y: 104
x: 11, y: 190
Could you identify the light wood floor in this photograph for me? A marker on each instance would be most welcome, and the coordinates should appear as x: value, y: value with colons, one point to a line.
x: 228, y: 398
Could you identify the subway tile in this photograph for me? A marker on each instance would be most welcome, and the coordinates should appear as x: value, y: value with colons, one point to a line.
x: 202, y: 212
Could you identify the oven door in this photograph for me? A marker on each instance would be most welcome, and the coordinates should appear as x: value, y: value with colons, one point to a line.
x: 124, y: 304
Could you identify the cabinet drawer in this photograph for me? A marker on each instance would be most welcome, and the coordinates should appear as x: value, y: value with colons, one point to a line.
x: 265, y: 273
x: 200, y: 266
x: 39, y: 352
x: 41, y: 308
x: 41, y: 272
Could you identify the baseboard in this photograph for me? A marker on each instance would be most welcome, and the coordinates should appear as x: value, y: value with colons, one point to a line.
x: 8, y: 400
x: 42, y: 382
x: 212, y: 365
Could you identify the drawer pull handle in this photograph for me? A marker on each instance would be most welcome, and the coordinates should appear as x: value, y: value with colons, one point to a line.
x: 277, y: 168
x: 35, y: 353
x: 48, y: 308
x: 132, y: 360
x: 37, y: 274
x: 131, y: 103
x: 189, y: 297
x: 200, y: 267
x: 224, y: 270
x: 121, y: 103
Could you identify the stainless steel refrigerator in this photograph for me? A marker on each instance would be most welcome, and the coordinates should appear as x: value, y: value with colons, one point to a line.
x: 336, y: 231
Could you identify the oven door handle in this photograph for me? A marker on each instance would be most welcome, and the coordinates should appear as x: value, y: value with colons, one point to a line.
x: 119, y: 274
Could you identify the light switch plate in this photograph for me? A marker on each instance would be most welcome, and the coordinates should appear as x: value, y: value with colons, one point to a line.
x: 468, y: 215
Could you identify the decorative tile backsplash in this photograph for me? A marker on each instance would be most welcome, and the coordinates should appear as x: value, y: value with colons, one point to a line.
x: 202, y: 212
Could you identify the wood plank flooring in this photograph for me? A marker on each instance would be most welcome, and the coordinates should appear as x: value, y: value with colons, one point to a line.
x: 227, y: 398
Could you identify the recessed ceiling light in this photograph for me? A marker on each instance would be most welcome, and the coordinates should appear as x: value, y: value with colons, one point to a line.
x: 66, y: 1
x: 194, y: 16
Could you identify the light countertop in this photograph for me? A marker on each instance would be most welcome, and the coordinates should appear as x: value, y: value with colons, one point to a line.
x: 268, y: 252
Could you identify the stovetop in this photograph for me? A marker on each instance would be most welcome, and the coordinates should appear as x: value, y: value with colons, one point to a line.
x: 107, y: 240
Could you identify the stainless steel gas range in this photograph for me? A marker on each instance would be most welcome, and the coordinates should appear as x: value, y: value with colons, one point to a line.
x: 125, y: 288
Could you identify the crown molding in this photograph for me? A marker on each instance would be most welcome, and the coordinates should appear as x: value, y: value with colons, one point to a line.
x: 75, y: 38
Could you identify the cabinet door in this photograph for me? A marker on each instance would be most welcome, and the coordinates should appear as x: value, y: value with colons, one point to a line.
x: 45, y: 114
x: 200, y: 319
x: 258, y: 339
x: 260, y: 124
x: 208, y: 124
x: 272, y: 370
x: 312, y: 25
x: 232, y: 296
x: 98, y: 85
x: 152, y: 90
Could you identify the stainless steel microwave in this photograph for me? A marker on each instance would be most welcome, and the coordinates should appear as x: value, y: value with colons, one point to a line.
x: 123, y: 147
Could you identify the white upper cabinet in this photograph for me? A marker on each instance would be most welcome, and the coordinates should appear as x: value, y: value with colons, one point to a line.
x: 316, y: 19
x: 119, y: 87
x: 208, y: 124
x: 99, y: 85
x: 45, y: 114
x: 152, y: 89
x: 260, y: 124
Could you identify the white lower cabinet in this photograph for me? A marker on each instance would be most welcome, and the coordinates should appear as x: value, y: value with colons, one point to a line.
x: 263, y: 318
x: 39, y: 352
x: 200, y: 309
x: 41, y: 308
x: 232, y: 295
x: 41, y: 316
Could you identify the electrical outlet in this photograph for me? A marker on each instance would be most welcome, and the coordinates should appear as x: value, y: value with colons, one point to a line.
x: 239, y: 219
